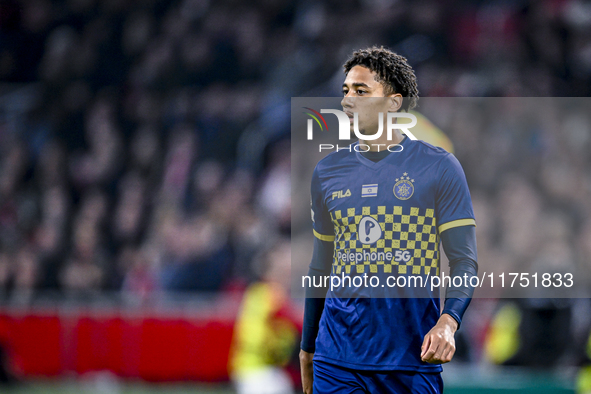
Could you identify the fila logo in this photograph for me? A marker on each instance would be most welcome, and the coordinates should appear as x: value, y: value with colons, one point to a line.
x: 340, y: 194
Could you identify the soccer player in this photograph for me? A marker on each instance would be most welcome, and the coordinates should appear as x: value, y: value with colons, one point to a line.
x: 383, y: 214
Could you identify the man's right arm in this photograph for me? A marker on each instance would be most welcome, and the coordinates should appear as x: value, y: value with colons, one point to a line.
x: 314, y: 304
x: 320, y: 267
x: 313, y: 308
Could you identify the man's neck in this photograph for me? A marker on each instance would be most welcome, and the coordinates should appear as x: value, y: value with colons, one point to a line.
x: 382, y: 143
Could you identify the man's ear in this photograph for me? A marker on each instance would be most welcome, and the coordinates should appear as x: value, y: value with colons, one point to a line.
x: 395, y: 102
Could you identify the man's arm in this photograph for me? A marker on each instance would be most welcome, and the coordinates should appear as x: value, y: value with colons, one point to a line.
x: 314, y: 304
x: 459, y: 244
x: 313, y: 308
x: 322, y: 255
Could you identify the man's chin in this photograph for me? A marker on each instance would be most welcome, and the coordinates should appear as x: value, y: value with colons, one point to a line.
x: 361, y: 132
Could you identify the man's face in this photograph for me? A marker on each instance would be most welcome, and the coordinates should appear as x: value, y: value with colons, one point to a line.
x: 365, y: 96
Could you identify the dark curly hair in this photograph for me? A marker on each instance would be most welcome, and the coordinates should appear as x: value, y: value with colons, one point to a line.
x: 392, y: 71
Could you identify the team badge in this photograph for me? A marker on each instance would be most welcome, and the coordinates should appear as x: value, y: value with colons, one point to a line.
x: 404, y: 188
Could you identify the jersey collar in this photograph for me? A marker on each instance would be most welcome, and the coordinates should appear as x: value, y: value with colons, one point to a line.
x: 375, y: 165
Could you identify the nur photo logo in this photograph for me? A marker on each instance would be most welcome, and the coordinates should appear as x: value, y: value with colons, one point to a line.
x: 344, y: 128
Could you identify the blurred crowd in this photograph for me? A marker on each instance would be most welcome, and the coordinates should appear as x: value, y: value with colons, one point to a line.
x: 122, y: 175
x: 152, y: 152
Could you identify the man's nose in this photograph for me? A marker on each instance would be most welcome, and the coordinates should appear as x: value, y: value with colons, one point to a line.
x: 347, y: 101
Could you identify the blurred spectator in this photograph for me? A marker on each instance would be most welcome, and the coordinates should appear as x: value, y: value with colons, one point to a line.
x: 139, y: 267
x: 266, y: 335
x: 275, y: 194
x: 525, y: 333
x: 129, y: 220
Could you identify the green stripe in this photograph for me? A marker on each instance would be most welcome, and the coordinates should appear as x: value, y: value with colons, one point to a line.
x: 322, y: 237
x: 456, y: 223
x: 317, y: 121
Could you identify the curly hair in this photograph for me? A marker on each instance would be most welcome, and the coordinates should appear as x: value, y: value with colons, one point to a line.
x: 392, y: 71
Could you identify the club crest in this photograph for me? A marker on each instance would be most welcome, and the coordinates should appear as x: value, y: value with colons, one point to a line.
x: 404, y: 187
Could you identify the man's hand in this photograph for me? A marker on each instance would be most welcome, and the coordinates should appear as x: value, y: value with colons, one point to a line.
x: 307, y: 371
x: 439, y: 344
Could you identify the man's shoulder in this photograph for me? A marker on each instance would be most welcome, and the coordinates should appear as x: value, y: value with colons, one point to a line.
x: 430, y: 150
x: 432, y: 155
x: 333, y: 159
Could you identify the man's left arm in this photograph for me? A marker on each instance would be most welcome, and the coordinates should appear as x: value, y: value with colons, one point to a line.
x: 459, y: 244
x: 456, y: 226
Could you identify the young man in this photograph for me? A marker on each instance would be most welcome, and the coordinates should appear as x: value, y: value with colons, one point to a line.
x: 394, y: 209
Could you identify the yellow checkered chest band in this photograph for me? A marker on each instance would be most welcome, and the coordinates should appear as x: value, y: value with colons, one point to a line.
x: 385, y: 239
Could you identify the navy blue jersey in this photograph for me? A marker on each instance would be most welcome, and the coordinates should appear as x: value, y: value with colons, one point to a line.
x: 384, y: 218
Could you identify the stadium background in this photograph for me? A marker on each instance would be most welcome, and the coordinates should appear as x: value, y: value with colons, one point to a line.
x: 145, y: 178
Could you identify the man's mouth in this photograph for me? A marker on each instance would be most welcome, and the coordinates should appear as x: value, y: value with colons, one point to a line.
x: 350, y: 115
